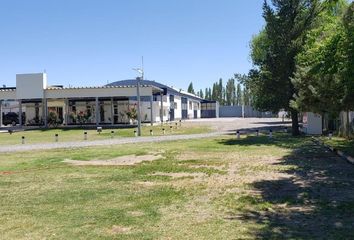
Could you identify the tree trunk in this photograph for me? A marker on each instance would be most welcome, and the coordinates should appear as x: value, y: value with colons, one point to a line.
x: 348, y: 124
x: 295, y: 123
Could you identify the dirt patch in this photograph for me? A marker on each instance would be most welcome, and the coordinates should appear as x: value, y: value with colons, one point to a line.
x: 7, y: 173
x: 119, y: 161
x: 180, y: 175
x: 119, y: 230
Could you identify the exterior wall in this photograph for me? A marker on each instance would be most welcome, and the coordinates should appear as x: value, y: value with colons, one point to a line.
x: 96, y: 92
x: 312, y: 123
x: 30, y: 86
x: 178, y: 110
x: 230, y: 111
x: 241, y: 111
x: 8, y: 95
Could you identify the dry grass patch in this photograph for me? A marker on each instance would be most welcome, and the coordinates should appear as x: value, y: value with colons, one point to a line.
x: 119, y: 161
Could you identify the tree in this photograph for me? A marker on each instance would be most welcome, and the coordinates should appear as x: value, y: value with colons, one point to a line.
x: 238, y: 95
x: 207, y: 94
x: 274, y: 51
x: 230, y: 92
x: 190, y: 88
x: 325, y: 69
x: 201, y: 95
x: 220, y: 92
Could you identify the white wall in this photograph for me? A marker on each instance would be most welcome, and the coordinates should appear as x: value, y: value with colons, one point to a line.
x: 97, y: 92
x: 30, y: 86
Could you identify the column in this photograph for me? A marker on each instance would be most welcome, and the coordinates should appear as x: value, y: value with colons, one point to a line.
x: 97, y: 115
x: 45, y: 112
x: 151, y: 111
x: 20, y: 112
x: 0, y: 113
x: 112, y: 112
x: 67, y: 111
x: 161, y: 109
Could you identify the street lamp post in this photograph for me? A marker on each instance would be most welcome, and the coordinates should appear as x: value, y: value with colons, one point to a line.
x: 141, y: 71
x: 138, y: 97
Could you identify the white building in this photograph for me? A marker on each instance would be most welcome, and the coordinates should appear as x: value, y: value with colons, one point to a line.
x: 34, y: 102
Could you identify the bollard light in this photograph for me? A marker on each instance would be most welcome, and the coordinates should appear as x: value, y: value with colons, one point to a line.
x: 85, y: 135
x: 151, y: 132
x: 163, y: 131
x: 238, y: 134
x: 23, y: 139
x: 112, y: 134
x: 285, y: 129
x: 257, y: 133
x: 171, y: 128
x: 176, y: 125
x: 270, y: 133
x: 135, y: 133
x: 56, y: 137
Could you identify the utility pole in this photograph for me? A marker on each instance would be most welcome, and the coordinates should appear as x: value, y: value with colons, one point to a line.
x: 138, y: 79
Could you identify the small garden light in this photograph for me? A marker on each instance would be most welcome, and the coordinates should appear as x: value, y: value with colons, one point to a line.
x: 112, y: 134
x: 270, y: 133
x: 56, y: 137
x: 238, y: 134
x: 23, y: 139
x: 151, y: 132
x: 85, y: 135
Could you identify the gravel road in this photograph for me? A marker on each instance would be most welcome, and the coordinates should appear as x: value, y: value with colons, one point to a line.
x: 221, y: 126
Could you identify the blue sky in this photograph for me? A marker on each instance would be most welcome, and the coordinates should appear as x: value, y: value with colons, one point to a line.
x: 90, y: 43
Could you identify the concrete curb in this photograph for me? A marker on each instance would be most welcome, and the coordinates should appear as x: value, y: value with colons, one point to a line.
x: 341, y: 154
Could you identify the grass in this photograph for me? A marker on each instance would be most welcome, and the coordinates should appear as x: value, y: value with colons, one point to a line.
x: 342, y: 144
x: 280, y: 188
x: 68, y: 135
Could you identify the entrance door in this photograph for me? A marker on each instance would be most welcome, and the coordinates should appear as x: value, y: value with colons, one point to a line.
x: 195, y: 114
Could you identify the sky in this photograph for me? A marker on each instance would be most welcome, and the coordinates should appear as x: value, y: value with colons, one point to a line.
x: 93, y: 42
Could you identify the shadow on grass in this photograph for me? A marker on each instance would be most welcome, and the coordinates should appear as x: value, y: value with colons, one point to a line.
x: 315, y: 201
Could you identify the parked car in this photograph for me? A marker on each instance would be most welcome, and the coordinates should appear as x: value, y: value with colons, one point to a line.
x: 11, y: 118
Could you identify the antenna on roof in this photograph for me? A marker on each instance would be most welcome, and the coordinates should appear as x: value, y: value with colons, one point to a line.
x: 142, y: 66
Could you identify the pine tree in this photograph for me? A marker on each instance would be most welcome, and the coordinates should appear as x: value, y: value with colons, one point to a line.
x: 201, y: 95
x: 190, y: 88
x: 274, y: 51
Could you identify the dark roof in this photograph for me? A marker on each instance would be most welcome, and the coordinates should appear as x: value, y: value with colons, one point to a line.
x: 166, y: 88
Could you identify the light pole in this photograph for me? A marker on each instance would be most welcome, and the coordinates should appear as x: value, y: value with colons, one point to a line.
x: 141, y: 71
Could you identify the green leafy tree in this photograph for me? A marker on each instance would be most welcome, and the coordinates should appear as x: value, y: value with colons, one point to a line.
x: 274, y: 52
x: 324, y: 74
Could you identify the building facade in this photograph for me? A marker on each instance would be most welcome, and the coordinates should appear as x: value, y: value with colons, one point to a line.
x: 35, y: 103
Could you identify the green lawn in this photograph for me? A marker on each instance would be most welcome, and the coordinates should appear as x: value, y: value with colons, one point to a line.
x: 67, y: 135
x: 342, y: 144
x: 218, y: 188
